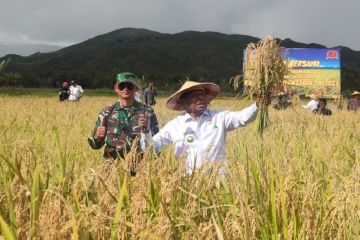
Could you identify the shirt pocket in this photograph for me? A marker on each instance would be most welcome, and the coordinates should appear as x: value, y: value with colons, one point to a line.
x: 210, y: 131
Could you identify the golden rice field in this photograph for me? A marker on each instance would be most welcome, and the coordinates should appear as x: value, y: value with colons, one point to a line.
x: 302, y: 181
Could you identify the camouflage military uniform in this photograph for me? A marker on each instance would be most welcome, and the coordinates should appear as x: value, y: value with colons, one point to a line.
x: 121, y: 128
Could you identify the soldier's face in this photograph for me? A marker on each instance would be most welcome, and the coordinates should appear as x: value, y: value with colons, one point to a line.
x: 125, y: 90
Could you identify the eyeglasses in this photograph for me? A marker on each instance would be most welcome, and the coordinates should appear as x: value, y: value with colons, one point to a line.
x: 124, y: 85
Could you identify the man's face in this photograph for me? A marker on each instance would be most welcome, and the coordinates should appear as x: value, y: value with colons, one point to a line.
x: 195, y: 102
x: 356, y: 96
x: 322, y: 105
x: 125, y: 90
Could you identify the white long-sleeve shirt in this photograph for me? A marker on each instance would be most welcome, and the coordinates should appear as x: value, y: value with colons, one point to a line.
x: 204, y: 139
x: 311, y: 105
x: 75, y: 92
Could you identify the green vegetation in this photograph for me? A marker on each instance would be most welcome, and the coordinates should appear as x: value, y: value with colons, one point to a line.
x: 2, y: 65
x: 166, y: 59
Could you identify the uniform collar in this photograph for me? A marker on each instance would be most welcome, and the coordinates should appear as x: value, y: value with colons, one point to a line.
x: 136, y: 105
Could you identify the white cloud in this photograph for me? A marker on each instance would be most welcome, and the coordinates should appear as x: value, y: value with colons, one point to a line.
x: 23, y: 39
x: 69, y: 21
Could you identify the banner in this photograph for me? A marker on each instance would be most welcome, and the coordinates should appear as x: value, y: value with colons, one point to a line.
x: 311, y: 70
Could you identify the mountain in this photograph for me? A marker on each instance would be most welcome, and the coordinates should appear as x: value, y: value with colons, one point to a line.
x: 166, y: 59
x: 26, y: 49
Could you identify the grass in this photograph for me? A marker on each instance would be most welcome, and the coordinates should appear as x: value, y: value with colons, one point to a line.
x: 302, y: 184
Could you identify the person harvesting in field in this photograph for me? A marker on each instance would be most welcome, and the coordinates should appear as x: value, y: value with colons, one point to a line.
x: 199, y: 134
x: 321, y: 108
x: 75, y: 91
x: 354, y: 102
x: 117, y: 124
x: 64, y: 91
x: 149, y: 94
x: 313, y: 103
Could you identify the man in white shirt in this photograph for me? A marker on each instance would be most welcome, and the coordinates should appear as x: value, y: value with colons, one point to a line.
x: 199, y: 134
x: 313, y: 104
x: 75, y: 91
x: 137, y: 95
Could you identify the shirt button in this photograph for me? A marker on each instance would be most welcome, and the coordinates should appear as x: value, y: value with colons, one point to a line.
x: 190, y: 139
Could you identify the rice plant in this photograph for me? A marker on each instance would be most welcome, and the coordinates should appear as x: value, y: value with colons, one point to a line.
x: 302, y: 184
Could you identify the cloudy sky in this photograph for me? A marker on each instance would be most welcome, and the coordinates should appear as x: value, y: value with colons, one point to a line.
x: 27, y: 26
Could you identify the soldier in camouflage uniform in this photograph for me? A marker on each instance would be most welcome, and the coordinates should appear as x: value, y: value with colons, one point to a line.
x: 117, y: 125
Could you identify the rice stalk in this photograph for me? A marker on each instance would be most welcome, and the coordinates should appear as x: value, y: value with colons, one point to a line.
x: 6, y: 182
x: 35, y: 201
x: 121, y: 204
x: 219, y: 233
x: 7, y: 232
x: 283, y: 210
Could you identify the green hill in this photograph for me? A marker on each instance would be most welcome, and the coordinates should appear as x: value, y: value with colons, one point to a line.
x: 166, y: 59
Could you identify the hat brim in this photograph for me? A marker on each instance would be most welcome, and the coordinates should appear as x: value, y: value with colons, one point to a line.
x: 355, y: 93
x: 211, y: 90
x: 314, y: 96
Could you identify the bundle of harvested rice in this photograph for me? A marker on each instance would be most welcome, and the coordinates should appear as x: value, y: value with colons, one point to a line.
x: 265, y: 71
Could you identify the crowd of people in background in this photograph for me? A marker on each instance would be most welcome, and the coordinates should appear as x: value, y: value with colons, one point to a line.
x: 317, y: 103
x: 71, y: 93
x: 282, y: 101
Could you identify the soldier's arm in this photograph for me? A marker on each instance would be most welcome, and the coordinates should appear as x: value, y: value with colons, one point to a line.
x: 154, y: 125
x: 98, y: 143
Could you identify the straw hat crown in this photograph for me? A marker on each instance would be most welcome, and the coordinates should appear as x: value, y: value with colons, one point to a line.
x: 313, y: 96
x: 355, y: 93
x: 316, y: 95
x: 211, y: 91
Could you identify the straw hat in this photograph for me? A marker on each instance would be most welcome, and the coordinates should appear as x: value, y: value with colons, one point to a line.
x: 211, y: 91
x: 355, y: 93
x: 313, y: 96
x: 316, y: 95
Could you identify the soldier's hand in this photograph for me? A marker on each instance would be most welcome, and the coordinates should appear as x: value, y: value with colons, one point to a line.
x: 100, y: 131
x: 143, y: 122
x: 263, y: 98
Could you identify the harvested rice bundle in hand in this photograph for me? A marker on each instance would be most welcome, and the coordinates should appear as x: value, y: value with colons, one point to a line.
x: 265, y: 70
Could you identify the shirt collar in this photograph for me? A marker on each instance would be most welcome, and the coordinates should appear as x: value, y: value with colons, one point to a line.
x: 187, y: 116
